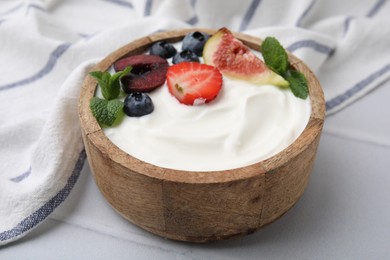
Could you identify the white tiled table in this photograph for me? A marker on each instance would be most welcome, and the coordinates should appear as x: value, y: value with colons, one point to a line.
x: 344, y: 213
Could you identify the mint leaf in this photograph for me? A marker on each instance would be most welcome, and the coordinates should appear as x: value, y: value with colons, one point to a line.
x: 97, y: 75
x: 109, y: 84
x: 98, y: 107
x: 114, y: 80
x: 114, y: 110
x: 298, y: 83
x: 103, y: 78
x: 106, y: 112
x: 275, y: 56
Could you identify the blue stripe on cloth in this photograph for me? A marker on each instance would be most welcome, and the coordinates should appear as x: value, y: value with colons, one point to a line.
x: 336, y: 101
x: 121, y: 3
x: 148, y: 8
x: 319, y: 47
x: 193, y: 20
x: 61, y: 49
x: 87, y: 37
x: 304, y: 14
x: 36, y: 7
x: 192, y: 3
x: 38, y: 216
x: 84, y: 35
x: 371, y: 13
x: 347, y: 22
x: 375, y: 9
x: 249, y: 15
x: 21, y: 176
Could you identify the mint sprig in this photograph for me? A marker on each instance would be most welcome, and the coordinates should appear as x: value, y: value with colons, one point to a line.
x: 275, y: 57
x: 110, y: 84
x: 298, y: 83
x: 108, y: 110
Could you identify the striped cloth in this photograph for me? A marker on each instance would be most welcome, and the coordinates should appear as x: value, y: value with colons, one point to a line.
x: 47, y: 46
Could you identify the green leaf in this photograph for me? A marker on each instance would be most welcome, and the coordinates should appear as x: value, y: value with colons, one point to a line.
x: 298, y: 83
x: 96, y: 74
x: 115, y: 80
x: 109, y: 84
x: 107, y: 90
x: 275, y: 56
x: 103, y: 78
x: 106, y: 112
x: 98, y: 109
x: 117, y: 76
x: 114, y: 110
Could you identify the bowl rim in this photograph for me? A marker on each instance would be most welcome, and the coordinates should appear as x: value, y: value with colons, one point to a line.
x: 94, y: 133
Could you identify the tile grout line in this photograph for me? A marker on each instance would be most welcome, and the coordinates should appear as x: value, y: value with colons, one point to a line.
x: 105, y: 233
x: 80, y: 226
x: 358, y: 137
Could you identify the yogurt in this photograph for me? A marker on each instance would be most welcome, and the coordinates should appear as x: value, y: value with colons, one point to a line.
x: 245, y: 124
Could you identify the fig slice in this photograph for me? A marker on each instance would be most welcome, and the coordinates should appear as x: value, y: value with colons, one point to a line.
x: 148, y: 73
x: 235, y: 60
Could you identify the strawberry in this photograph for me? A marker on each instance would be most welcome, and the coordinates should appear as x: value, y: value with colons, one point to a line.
x: 193, y: 83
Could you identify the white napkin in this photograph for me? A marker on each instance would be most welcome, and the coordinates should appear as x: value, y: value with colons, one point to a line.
x: 47, y: 48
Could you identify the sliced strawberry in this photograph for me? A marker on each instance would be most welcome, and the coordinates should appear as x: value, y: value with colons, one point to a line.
x: 193, y: 83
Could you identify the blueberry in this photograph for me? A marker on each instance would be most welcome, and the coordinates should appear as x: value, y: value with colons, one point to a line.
x: 195, y: 42
x: 163, y: 49
x: 185, y: 55
x: 138, y: 104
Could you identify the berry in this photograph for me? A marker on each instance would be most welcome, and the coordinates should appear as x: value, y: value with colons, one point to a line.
x: 147, y: 74
x: 194, y: 83
x: 195, y: 42
x: 185, y: 55
x: 163, y: 49
x: 138, y: 104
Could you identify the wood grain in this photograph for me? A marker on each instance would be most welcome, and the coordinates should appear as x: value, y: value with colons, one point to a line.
x: 200, y: 206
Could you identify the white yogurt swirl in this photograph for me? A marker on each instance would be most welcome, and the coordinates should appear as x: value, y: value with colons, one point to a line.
x: 243, y: 125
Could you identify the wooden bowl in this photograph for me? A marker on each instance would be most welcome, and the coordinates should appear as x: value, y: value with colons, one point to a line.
x: 199, y: 206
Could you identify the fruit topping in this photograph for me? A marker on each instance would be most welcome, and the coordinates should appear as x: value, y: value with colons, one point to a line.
x: 110, y: 84
x: 235, y: 60
x: 138, y: 104
x: 147, y: 74
x: 195, y: 41
x: 193, y: 83
x: 185, y: 55
x: 106, y: 112
x: 109, y: 110
x: 163, y: 49
x: 276, y: 58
